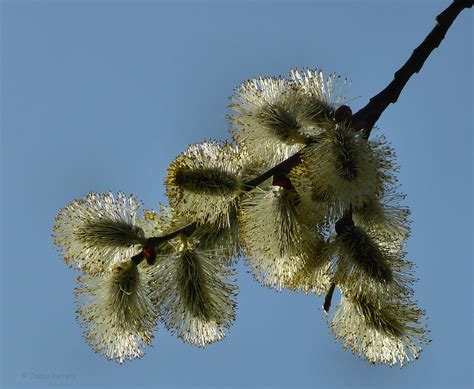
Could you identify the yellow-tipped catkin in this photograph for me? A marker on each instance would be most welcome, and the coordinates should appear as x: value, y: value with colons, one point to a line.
x: 276, y: 239
x: 204, y: 182
x: 266, y: 118
x: 319, y: 96
x: 347, y: 170
x: 98, y: 232
x: 390, y: 332
x: 116, y: 311
x: 194, y: 292
x: 385, y: 218
x: 365, y: 268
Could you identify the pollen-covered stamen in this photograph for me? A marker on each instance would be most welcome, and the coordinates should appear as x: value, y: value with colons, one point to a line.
x: 194, y: 291
x: 267, y: 119
x: 108, y: 232
x: 346, y: 151
x: 116, y: 311
x: 281, y: 123
x: 276, y: 234
x: 206, y: 181
x: 125, y: 277
x: 386, y: 217
x: 319, y: 97
x: 99, y: 231
x: 389, y: 332
x: 382, y: 320
x: 365, y: 253
x: 347, y: 170
x: 203, y: 183
x: 196, y: 294
x: 225, y: 239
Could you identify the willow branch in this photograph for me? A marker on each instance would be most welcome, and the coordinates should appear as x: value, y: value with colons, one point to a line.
x: 364, y: 119
x: 284, y: 166
x: 149, y: 248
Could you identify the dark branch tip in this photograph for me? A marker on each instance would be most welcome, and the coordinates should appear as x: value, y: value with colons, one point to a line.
x: 328, y: 298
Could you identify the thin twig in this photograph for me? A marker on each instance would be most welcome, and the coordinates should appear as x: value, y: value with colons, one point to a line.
x: 148, y: 251
x: 366, y: 117
x: 284, y: 166
x: 328, y: 298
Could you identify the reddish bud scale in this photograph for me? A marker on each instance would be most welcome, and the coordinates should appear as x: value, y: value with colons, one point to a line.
x: 282, y: 180
x: 149, y: 254
x: 343, y: 113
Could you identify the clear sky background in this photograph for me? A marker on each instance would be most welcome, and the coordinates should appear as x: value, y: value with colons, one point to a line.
x: 100, y: 95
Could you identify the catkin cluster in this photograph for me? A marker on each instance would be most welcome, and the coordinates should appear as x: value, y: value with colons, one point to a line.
x: 331, y: 218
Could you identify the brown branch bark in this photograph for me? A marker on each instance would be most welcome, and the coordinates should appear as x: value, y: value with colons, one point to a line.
x: 364, y: 119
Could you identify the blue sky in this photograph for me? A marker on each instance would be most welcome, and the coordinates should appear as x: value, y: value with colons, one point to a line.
x: 100, y: 95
